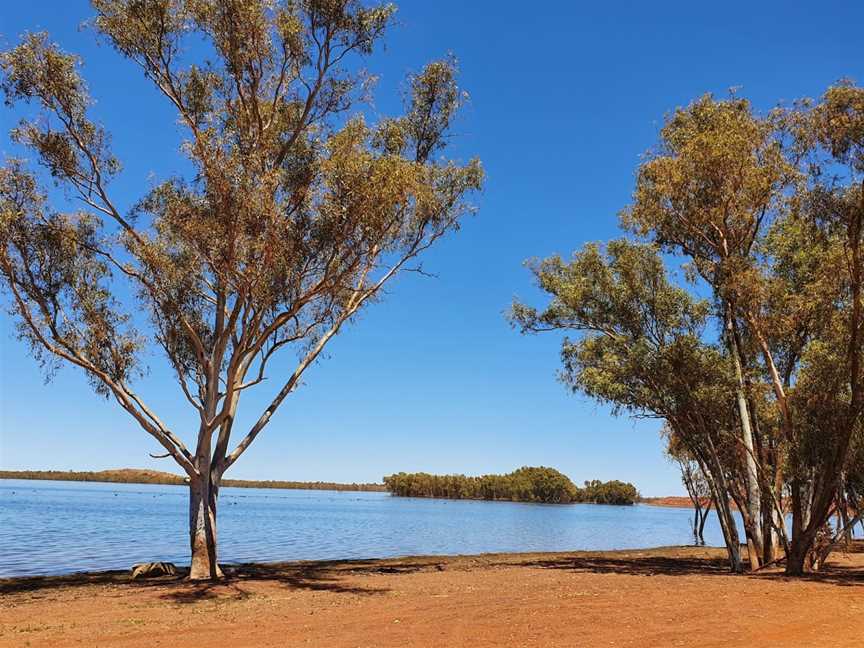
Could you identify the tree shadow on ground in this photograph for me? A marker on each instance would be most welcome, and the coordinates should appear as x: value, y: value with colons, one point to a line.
x: 338, y: 576
x: 834, y: 574
x: 36, y: 583
x: 185, y: 592
x: 323, y: 576
x: 320, y: 576
x: 640, y: 566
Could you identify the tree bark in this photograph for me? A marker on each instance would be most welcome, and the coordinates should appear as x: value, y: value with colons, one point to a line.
x: 797, y: 556
x: 730, y: 533
x: 705, y: 512
x: 719, y: 491
x: 803, y: 531
x: 202, y: 530
x: 754, y: 529
x: 692, y: 492
x: 697, y: 518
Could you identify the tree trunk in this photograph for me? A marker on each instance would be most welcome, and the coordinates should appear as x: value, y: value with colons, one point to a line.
x: 705, y: 512
x: 697, y: 518
x: 769, y: 536
x: 754, y: 529
x: 719, y: 491
x: 692, y: 493
x: 797, y: 557
x: 730, y: 534
x: 712, y: 469
x: 202, y: 530
x: 803, y: 533
x: 844, y: 528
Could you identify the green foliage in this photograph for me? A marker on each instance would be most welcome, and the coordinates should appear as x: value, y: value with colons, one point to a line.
x: 639, y: 346
x: 762, y: 389
x: 296, y: 213
x: 611, y: 492
x: 527, y: 484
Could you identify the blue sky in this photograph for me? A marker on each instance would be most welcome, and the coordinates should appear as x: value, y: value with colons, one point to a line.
x: 565, y: 97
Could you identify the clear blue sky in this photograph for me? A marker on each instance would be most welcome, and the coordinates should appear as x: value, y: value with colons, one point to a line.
x: 565, y: 96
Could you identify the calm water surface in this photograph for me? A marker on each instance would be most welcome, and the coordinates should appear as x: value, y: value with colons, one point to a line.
x: 61, y: 527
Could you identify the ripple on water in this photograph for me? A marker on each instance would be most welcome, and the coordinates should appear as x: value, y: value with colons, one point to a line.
x: 63, y: 527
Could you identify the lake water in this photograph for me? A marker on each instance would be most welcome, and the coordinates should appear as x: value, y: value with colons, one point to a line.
x: 62, y: 527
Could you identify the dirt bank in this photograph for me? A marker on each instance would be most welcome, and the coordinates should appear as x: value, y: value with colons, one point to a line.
x: 660, y: 597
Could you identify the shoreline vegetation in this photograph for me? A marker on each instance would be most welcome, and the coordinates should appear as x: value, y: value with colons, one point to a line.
x: 538, y: 485
x: 140, y: 476
x: 527, y: 484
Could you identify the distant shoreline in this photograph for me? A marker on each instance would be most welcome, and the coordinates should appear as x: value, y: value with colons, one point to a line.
x: 140, y: 476
x: 670, y: 501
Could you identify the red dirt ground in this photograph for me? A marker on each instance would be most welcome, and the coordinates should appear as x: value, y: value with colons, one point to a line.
x: 678, y: 596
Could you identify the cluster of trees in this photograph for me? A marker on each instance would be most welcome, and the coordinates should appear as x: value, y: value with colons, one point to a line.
x: 610, y: 492
x: 134, y: 476
x: 295, y: 214
x: 761, y: 385
x: 527, y: 484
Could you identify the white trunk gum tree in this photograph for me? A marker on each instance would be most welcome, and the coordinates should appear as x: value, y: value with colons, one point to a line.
x: 769, y: 213
x: 296, y: 217
x: 706, y: 194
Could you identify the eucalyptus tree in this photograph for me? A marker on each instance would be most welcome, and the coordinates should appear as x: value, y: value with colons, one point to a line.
x: 767, y: 212
x: 295, y: 216
x: 707, y: 192
x: 640, y: 349
x: 818, y: 271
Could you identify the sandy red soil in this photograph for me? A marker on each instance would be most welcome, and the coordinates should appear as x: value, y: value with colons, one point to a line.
x: 661, y: 597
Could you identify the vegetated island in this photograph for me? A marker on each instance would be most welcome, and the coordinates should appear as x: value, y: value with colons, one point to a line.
x: 140, y: 476
x: 528, y: 484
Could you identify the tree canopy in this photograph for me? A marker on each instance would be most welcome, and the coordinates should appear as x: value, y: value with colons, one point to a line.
x: 527, y: 484
x: 295, y: 215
